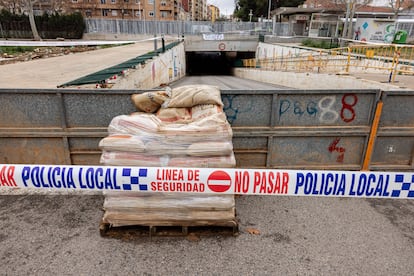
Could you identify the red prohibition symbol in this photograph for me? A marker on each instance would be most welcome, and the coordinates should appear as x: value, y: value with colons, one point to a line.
x: 219, y: 181
x: 222, y: 46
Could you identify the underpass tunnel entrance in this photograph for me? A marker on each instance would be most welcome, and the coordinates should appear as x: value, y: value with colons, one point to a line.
x: 214, y: 63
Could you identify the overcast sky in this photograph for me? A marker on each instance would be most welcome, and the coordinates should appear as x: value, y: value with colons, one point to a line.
x: 225, y: 6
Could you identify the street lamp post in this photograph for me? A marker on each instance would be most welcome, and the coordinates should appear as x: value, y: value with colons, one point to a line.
x: 154, y: 26
x: 139, y: 10
x: 268, y: 12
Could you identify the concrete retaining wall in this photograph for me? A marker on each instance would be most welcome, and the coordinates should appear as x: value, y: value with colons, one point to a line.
x: 167, y: 67
x: 311, y: 80
x: 266, y: 50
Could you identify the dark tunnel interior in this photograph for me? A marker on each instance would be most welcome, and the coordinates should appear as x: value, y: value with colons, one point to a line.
x: 214, y: 63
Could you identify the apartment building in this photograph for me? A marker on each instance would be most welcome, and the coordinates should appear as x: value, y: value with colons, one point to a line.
x: 197, y: 9
x: 213, y: 13
x: 39, y: 7
x: 163, y: 10
x: 160, y: 10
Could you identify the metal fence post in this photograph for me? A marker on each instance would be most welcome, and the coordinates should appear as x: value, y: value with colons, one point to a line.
x: 348, y: 60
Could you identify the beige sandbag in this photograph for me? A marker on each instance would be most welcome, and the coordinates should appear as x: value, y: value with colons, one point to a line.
x: 214, y: 124
x: 122, y: 142
x: 201, y: 111
x: 150, y: 101
x: 192, y: 95
x: 174, y: 115
x: 210, y: 149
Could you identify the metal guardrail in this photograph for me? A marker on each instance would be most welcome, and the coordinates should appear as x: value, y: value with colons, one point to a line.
x: 312, y: 129
x: 385, y: 59
x: 101, y: 77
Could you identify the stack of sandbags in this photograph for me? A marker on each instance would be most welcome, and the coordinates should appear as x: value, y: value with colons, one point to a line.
x: 168, y: 209
x: 182, y: 127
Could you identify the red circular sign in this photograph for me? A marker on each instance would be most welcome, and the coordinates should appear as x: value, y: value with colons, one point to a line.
x: 222, y: 46
x: 219, y: 181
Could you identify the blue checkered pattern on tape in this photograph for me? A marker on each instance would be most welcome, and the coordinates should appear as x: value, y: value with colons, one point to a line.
x: 407, y: 186
x: 135, y: 177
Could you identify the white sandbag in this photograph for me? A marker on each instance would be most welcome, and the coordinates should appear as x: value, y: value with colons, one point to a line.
x: 118, y: 158
x: 135, y: 124
x: 122, y: 142
x: 210, y: 149
x: 171, y: 147
x: 203, y: 162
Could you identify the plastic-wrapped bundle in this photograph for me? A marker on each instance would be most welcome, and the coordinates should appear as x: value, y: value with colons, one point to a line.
x: 133, y: 144
x: 148, y: 126
x: 142, y: 124
x: 131, y: 208
x: 122, y: 142
x: 175, y: 115
x: 138, y: 159
x: 157, y: 137
x: 189, y: 129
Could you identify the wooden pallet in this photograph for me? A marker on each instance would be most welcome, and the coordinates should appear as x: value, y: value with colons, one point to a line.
x: 170, y: 229
x: 168, y: 214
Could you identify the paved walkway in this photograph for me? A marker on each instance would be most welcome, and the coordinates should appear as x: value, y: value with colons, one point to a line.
x: 51, y: 72
x: 403, y: 81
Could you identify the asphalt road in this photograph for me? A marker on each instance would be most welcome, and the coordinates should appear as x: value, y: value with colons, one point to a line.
x: 58, y: 235
x: 45, y: 234
x: 227, y: 83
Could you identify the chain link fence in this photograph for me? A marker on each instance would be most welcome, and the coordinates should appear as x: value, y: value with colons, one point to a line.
x: 122, y: 26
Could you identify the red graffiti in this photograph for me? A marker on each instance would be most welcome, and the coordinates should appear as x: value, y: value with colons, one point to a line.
x: 333, y: 147
x: 348, y: 107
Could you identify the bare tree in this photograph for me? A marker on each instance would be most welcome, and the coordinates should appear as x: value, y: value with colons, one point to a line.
x: 23, y: 6
x: 28, y: 7
x: 399, y: 5
x: 58, y: 6
x: 13, y: 6
x: 351, y: 7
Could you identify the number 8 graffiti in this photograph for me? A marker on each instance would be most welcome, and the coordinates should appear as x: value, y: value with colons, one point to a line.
x: 328, y: 115
x: 349, y: 107
x: 326, y: 110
